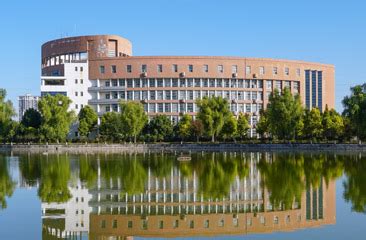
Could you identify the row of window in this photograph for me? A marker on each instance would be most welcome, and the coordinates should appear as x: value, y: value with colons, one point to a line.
x: 198, y: 82
x: 187, y: 107
x: 205, y: 69
x: 185, y: 95
x: 77, y: 68
x: 206, y: 223
x: 64, y: 58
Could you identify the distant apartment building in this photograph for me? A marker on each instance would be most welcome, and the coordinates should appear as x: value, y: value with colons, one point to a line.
x: 100, y: 71
x: 26, y: 102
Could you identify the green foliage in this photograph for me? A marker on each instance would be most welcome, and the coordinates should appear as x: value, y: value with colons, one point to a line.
x: 6, y: 183
x: 32, y: 118
x: 312, y: 124
x: 230, y: 127
x: 56, y: 119
x: 243, y: 125
x: 284, y: 113
x: 197, y: 129
x: 29, y: 126
x: 160, y: 128
x: 7, y: 125
x: 212, y: 112
x: 355, y: 110
x: 111, y: 127
x: 184, y: 126
x: 88, y: 171
x: 263, y: 124
x: 133, y: 118
x: 332, y: 123
x: 88, y: 118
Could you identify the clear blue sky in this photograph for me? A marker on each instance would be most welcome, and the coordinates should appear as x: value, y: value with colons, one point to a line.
x: 322, y: 31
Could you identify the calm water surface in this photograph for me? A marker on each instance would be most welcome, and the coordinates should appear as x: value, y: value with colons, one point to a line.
x: 201, y: 195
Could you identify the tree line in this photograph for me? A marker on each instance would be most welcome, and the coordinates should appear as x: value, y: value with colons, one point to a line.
x: 284, y: 119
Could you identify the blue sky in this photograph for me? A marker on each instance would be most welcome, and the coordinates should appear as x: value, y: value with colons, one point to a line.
x: 322, y: 31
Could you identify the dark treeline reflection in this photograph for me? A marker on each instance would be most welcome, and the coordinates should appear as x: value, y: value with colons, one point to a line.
x: 284, y: 175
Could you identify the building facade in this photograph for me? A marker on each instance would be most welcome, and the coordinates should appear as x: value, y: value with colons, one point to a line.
x: 26, y: 102
x: 100, y: 71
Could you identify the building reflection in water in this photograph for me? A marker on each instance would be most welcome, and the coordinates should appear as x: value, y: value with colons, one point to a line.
x: 154, y: 195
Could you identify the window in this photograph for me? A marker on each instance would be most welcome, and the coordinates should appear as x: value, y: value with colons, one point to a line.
x: 102, y: 69
x: 81, y: 94
x: 261, y: 70
x: 207, y: 224
x: 161, y: 224
x: 298, y: 73
x: 76, y: 94
x: 76, y: 69
x: 275, y: 70
x: 176, y: 224
x: 190, y: 68
x: 191, y: 224
x: 143, y: 68
x: 275, y: 220
x: 81, y: 81
x: 129, y: 224
x: 175, y: 68
x: 144, y: 224
x: 114, y: 223
x: 114, y: 82
x: 81, y: 69
x: 129, y: 68
x: 160, y: 68
x: 152, y: 82
x: 287, y: 71
x: 107, y: 108
x: 221, y: 222
x: 205, y: 68
x: 160, y: 82
x: 234, y: 69
x: 76, y: 81
x: 247, y: 70
x: 103, y: 224
x: 220, y: 68
x: 76, y: 106
x: 114, y: 68
x: 269, y: 84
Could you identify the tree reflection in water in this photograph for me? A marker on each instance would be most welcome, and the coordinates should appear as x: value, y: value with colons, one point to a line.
x: 355, y: 183
x: 55, y: 175
x: 7, y: 185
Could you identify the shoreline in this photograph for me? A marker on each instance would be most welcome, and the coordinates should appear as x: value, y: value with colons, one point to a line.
x: 173, y: 147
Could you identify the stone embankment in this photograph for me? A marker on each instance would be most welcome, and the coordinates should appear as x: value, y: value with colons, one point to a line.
x: 172, y: 147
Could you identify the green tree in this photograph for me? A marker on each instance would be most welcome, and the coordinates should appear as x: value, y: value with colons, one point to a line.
x: 230, y: 127
x: 355, y: 110
x: 284, y: 113
x: 56, y: 118
x: 133, y: 118
x: 332, y: 123
x: 197, y: 129
x: 7, y: 125
x: 243, y: 125
x: 111, y: 127
x: 184, y: 127
x: 88, y: 119
x: 160, y: 128
x: 312, y: 124
x: 30, y: 125
x: 212, y: 112
x: 263, y: 125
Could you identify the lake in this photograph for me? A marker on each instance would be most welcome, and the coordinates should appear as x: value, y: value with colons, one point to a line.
x: 232, y: 195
